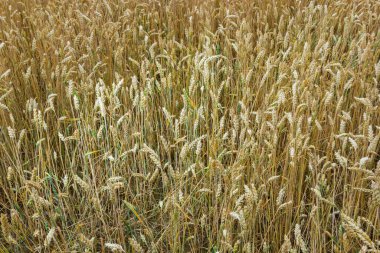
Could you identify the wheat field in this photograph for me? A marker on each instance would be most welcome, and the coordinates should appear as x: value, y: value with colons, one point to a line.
x: 189, y: 126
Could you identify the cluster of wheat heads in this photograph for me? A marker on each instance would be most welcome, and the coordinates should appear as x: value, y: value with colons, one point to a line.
x: 189, y: 126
